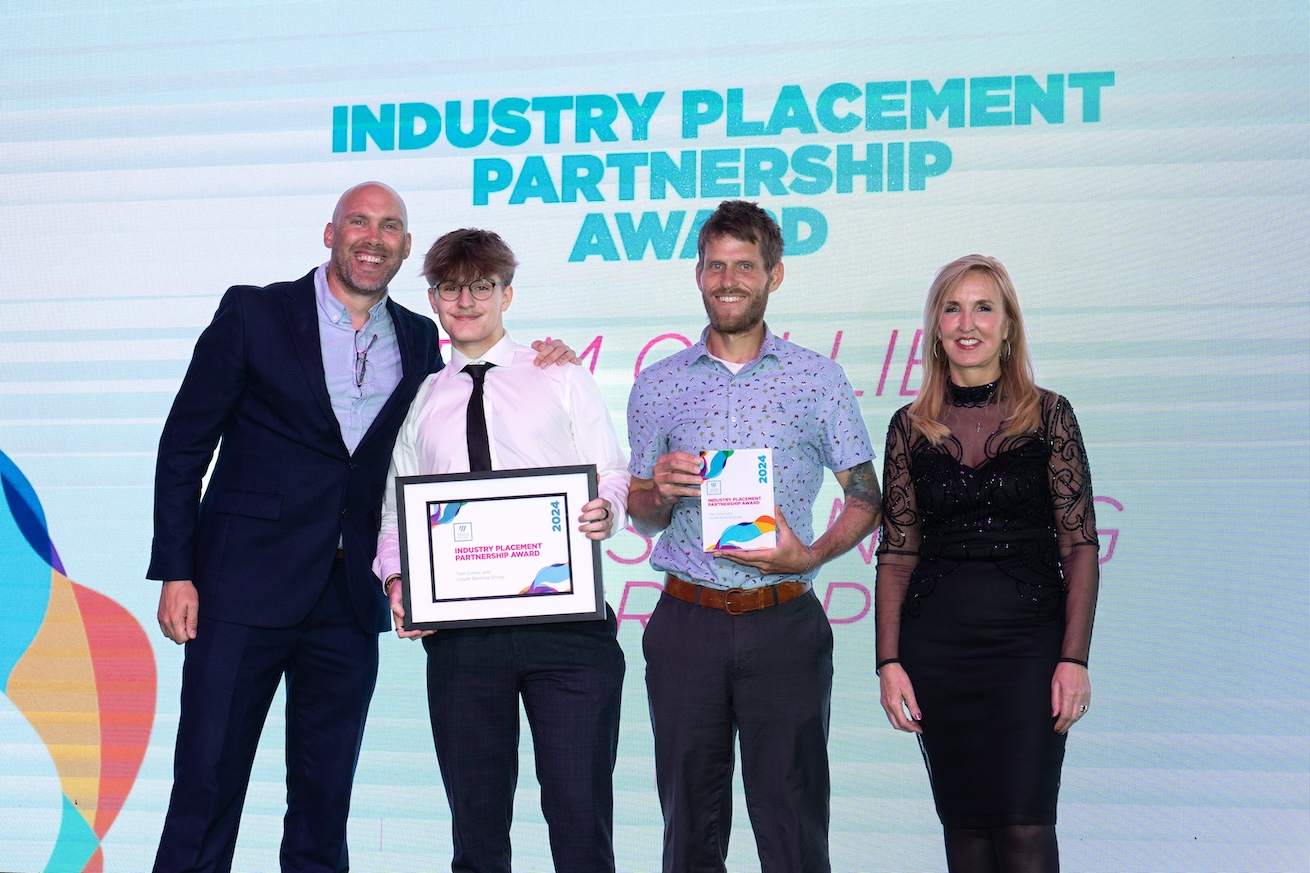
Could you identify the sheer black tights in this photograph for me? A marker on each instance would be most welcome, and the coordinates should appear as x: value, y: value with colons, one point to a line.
x: 1009, y: 849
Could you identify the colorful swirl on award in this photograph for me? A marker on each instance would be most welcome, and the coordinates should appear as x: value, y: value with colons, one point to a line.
x: 713, y: 461
x: 552, y: 579
x: 741, y: 535
x: 444, y: 513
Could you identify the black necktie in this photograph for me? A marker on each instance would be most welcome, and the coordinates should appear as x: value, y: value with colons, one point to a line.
x: 475, y: 423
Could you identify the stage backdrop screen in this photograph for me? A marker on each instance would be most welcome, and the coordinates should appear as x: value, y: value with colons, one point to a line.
x: 1140, y: 167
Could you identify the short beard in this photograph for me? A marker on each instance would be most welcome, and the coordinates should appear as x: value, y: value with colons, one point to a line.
x: 744, y: 323
x: 341, y: 268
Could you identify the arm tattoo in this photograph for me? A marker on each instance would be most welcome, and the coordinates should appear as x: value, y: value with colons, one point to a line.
x: 862, y: 486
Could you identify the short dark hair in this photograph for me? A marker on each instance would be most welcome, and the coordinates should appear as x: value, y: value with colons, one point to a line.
x: 467, y: 254
x: 747, y: 222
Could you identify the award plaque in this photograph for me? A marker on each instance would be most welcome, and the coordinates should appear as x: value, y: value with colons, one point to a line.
x: 501, y: 547
x: 736, y: 499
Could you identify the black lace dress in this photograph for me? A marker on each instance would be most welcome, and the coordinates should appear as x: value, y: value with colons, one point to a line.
x: 987, y: 576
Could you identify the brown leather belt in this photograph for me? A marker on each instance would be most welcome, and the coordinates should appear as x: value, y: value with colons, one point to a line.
x: 734, y: 601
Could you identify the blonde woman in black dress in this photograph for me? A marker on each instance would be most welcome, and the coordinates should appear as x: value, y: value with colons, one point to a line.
x: 987, y: 576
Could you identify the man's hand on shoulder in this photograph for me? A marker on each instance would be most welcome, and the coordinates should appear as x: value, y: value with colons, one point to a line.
x: 552, y: 351
x: 179, y: 610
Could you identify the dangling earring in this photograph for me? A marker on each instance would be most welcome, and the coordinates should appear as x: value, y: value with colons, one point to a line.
x: 935, y: 343
x: 1008, y: 350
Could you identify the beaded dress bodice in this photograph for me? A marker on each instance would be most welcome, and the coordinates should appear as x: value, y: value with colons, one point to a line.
x: 1023, y: 501
x: 978, y: 482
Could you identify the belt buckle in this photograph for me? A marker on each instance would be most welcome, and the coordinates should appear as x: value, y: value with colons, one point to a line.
x: 727, y: 601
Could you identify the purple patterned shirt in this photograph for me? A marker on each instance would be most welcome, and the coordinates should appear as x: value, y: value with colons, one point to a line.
x: 789, y: 399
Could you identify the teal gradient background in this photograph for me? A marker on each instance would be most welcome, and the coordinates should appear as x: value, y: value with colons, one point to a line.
x: 154, y: 153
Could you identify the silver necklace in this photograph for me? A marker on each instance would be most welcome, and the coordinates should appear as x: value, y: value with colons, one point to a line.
x: 990, y: 398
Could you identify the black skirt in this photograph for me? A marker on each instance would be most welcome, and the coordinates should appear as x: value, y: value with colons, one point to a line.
x: 981, y: 656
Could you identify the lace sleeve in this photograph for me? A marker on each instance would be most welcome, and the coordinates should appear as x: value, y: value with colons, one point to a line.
x: 900, y: 515
x: 1075, y: 526
x: 898, y: 546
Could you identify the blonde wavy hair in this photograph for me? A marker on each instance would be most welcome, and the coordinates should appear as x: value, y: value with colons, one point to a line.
x: 1016, y: 387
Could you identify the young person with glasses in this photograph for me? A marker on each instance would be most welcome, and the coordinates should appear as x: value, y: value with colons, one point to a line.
x: 569, y: 675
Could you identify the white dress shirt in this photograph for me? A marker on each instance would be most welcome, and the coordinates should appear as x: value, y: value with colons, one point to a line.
x: 535, y: 418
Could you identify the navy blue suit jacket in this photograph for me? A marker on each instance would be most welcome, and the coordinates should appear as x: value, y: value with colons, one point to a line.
x: 285, y: 489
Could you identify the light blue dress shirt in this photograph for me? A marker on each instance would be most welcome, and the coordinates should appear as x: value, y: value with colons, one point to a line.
x: 361, y: 367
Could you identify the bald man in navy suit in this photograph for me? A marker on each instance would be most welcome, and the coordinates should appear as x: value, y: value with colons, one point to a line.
x: 302, y: 386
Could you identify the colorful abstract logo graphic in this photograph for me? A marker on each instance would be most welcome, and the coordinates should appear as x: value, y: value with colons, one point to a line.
x: 737, y: 536
x: 551, y: 579
x: 79, y: 669
x: 444, y: 513
x: 713, y: 462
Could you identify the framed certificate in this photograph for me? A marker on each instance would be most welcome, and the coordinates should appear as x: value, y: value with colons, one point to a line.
x: 503, y: 547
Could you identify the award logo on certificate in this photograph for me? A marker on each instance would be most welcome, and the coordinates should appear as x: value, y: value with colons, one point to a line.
x: 493, y: 548
x: 736, y: 499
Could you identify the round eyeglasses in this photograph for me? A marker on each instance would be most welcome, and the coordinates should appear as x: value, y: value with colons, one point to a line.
x: 481, y: 289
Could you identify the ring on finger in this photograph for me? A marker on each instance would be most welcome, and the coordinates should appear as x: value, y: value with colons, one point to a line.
x: 1082, y: 708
